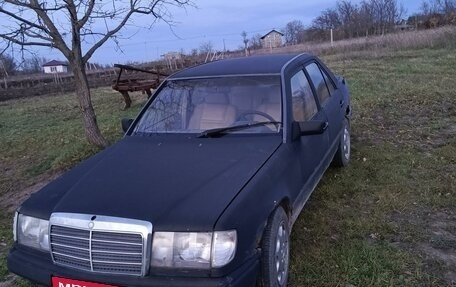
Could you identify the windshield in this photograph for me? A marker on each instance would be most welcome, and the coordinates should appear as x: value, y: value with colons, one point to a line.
x: 196, y: 105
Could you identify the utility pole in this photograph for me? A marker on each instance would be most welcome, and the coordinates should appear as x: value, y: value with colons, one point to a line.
x: 332, y: 38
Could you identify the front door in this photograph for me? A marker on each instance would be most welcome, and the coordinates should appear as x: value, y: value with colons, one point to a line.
x: 311, y: 148
x: 330, y: 101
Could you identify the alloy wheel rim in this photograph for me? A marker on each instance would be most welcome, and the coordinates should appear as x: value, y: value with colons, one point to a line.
x: 281, y: 254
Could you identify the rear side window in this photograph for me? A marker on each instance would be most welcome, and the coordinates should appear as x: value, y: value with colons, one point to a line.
x: 319, y: 82
x: 303, y: 101
x: 329, y: 83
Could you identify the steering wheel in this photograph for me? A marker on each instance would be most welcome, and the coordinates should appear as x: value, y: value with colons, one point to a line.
x: 242, y: 116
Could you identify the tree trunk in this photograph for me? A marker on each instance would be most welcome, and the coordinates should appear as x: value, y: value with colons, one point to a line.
x: 91, y: 129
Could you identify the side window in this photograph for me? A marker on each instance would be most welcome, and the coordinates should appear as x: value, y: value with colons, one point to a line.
x: 329, y: 83
x: 303, y: 101
x: 318, y: 82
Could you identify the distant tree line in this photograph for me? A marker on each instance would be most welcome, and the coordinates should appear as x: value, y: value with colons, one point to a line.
x: 347, y: 20
x: 370, y: 17
x: 9, y: 66
x: 434, y: 13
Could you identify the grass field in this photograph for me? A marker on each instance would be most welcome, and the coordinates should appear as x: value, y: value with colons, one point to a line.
x: 389, y: 219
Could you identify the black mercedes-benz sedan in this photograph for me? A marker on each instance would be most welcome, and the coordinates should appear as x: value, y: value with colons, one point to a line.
x: 203, y: 189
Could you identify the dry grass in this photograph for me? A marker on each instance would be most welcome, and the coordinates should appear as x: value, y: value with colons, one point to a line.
x: 444, y: 37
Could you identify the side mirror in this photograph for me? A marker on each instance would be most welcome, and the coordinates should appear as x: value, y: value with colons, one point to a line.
x: 309, y: 128
x: 126, y: 123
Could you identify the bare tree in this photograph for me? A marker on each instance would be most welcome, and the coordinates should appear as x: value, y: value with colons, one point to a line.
x: 194, y: 52
x: 33, y: 64
x: 348, y: 16
x: 245, y: 40
x: 446, y: 6
x: 7, y: 65
x: 66, y: 25
x: 366, y: 19
x: 206, y: 48
x: 351, y: 20
x: 255, y: 42
x: 432, y: 7
x: 328, y: 19
x: 436, y: 13
x: 386, y: 13
x: 294, y: 32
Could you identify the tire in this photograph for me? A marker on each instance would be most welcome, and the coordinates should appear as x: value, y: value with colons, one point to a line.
x: 275, y: 251
x: 342, y: 156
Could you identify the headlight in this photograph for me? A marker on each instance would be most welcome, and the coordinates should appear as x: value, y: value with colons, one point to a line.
x: 193, y: 249
x: 223, y: 247
x: 32, y: 232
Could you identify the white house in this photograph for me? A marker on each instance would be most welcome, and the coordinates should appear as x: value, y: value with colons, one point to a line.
x: 54, y: 66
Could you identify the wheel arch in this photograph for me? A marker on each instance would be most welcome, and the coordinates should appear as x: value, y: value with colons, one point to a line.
x: 264, y: 275
x: 285, y: 204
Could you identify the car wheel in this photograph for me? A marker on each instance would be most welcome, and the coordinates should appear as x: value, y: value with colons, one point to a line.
x: 275, y: 251
x: 342, y: 156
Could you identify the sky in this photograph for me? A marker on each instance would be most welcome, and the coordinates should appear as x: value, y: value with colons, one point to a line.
x: 216, y: 21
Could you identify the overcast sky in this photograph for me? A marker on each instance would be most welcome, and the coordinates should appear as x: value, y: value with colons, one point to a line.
x: 220, y: 22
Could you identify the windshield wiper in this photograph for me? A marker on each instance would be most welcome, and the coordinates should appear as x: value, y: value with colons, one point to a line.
x: 220, y: 131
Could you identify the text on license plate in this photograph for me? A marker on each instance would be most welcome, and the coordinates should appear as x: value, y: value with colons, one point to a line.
x: 63, y: 282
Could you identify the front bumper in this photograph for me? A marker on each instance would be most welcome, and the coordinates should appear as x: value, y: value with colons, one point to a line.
x: 39, y: 268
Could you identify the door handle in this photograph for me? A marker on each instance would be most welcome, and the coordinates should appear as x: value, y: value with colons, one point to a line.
x: 341, y: 103
x: 325, y: 126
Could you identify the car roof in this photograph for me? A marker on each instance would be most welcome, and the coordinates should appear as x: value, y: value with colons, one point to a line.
x: 254, y: 65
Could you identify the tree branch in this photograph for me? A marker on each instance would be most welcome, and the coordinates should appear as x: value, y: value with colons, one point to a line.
x: 108, y: 35
x: 87, y: 14
x: 53, y: 31
x: 133, y: 10
x: 24, y: 43
x: 33, y: 34
x: 12, y: 15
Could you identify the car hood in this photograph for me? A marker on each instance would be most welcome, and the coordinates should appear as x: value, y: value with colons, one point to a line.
x: 175, y: 182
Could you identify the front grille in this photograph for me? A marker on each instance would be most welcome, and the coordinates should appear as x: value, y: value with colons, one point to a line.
x: 115, y: 252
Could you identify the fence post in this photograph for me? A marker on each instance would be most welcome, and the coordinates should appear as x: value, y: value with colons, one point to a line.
x: 332, y: 38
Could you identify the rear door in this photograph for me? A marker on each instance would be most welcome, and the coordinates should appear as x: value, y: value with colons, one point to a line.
x: 330, y: 100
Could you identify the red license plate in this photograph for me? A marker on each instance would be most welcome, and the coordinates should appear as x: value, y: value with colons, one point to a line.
x: 63, y: 282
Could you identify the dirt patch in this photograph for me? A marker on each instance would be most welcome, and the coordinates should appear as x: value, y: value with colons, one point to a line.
x: 442, y: 246
x: 437, y: 245
x: 445, y: 256
x: 11, y: 201
x: 439, y: 261
x: 9, y: 282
